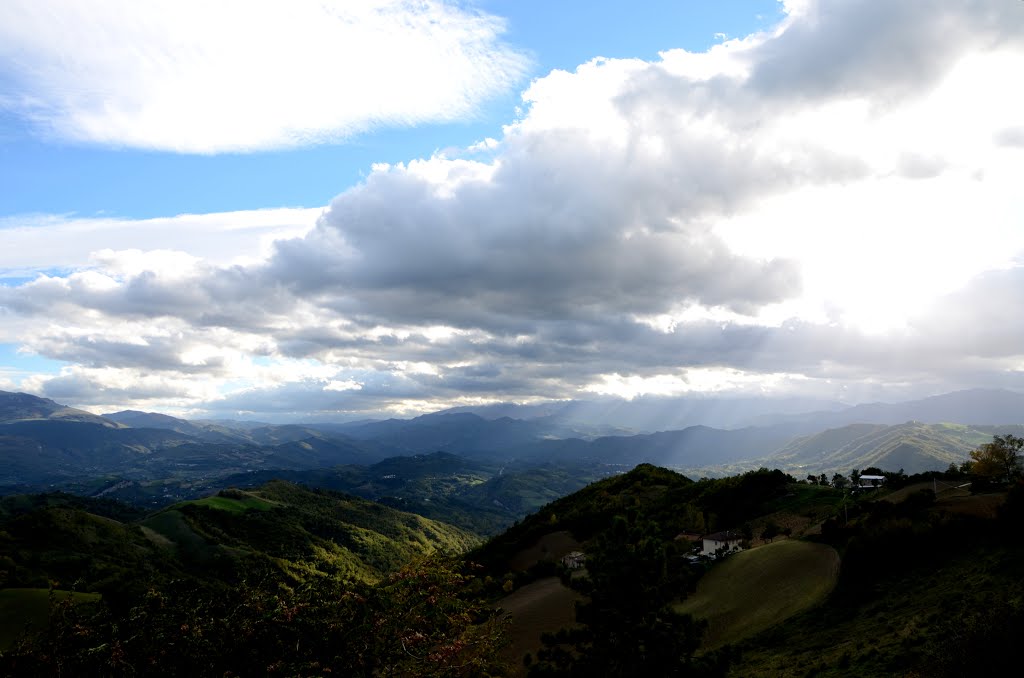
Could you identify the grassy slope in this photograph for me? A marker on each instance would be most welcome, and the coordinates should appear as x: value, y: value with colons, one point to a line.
x: 756, y: 589
x: 21, y: 608
x: 235, y: 505
x: 885, y: 630
x: 306, y: 531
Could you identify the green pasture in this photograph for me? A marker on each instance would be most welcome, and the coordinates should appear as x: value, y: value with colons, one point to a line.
x: 756, y: 589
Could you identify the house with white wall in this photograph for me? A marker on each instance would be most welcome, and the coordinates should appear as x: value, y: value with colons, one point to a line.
x: 725, y: 542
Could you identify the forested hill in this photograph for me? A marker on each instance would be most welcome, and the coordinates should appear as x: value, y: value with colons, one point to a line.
x: 280, y: 580
x: 670, y: 502
x: 103, y: 546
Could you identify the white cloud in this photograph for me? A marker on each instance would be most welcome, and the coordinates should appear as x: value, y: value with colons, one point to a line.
x: 241, y: 75
x: 784, y: 213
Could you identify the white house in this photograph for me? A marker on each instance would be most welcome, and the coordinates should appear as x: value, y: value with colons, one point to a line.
x: 870, y: 481
x: 726, y: 541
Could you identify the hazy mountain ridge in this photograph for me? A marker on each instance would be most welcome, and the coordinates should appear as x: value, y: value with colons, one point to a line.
x: 190, y: 457
x: 24, y: 407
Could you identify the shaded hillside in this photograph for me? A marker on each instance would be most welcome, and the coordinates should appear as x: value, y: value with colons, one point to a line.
x: 40, y: 453
x: 482, y: 497
x: 691, y: 447
x: 61, y: 542
x: 667, y: 499
x: 136, y: 419
x: 274, y: 582
x: 907, y: 603
x: 459, y: 433
x: 252, y: 433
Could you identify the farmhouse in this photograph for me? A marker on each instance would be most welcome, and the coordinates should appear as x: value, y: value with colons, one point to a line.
x: 574, y: 560
x: 870, y: 481
x: 721, y: 541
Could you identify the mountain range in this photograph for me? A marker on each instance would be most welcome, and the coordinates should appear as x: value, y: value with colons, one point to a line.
x: 154, y: 459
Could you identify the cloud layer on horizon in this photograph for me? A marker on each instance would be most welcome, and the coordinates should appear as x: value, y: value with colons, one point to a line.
x: 831, y: 208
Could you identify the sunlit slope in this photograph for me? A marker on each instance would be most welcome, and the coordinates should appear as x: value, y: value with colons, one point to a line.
x: 755, y: 589
x: 305, y: 530
x: 913, y: 446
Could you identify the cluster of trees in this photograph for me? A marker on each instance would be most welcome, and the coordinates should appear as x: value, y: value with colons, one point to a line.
x: 996, y: 462
x: 628, y: 626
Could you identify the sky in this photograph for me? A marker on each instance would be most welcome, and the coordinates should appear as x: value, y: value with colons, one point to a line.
x: 335, y: 210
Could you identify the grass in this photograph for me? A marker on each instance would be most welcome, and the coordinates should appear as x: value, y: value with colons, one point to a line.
x: 753, y: 590
x: 884, y: 630
x: 171, y: 524
x: 30, y: 608
x: 247, y: 503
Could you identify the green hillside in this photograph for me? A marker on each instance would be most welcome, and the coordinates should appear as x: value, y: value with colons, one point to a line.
x: 757, y: 589
x: 926, y: 589
x: 305, y: 531
x: 311, y: 582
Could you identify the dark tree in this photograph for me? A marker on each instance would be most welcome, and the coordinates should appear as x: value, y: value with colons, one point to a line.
x: 628, y: 626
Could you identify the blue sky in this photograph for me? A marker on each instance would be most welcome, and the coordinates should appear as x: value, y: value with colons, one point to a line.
x: 48, y: 176
x: 330, y: 210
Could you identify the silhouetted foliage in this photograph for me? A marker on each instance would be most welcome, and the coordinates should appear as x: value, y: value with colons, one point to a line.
x: 627, y: 625
x: 423, y: 621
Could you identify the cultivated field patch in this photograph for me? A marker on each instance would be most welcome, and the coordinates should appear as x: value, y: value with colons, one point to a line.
x: 544, y: 606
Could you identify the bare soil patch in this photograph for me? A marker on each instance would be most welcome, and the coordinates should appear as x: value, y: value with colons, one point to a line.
x: 545, y: 606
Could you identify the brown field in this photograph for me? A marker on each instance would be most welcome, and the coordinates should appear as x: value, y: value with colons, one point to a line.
x: 978, y: 505
x: 543, y: 606
x: 549, y: 547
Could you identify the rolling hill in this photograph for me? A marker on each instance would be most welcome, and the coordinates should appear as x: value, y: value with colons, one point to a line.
x: 303, y: 532
x: 915, y: 447
x: 306, y: 531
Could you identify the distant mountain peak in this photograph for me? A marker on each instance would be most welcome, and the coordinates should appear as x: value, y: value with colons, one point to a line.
x: 27, y: 407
